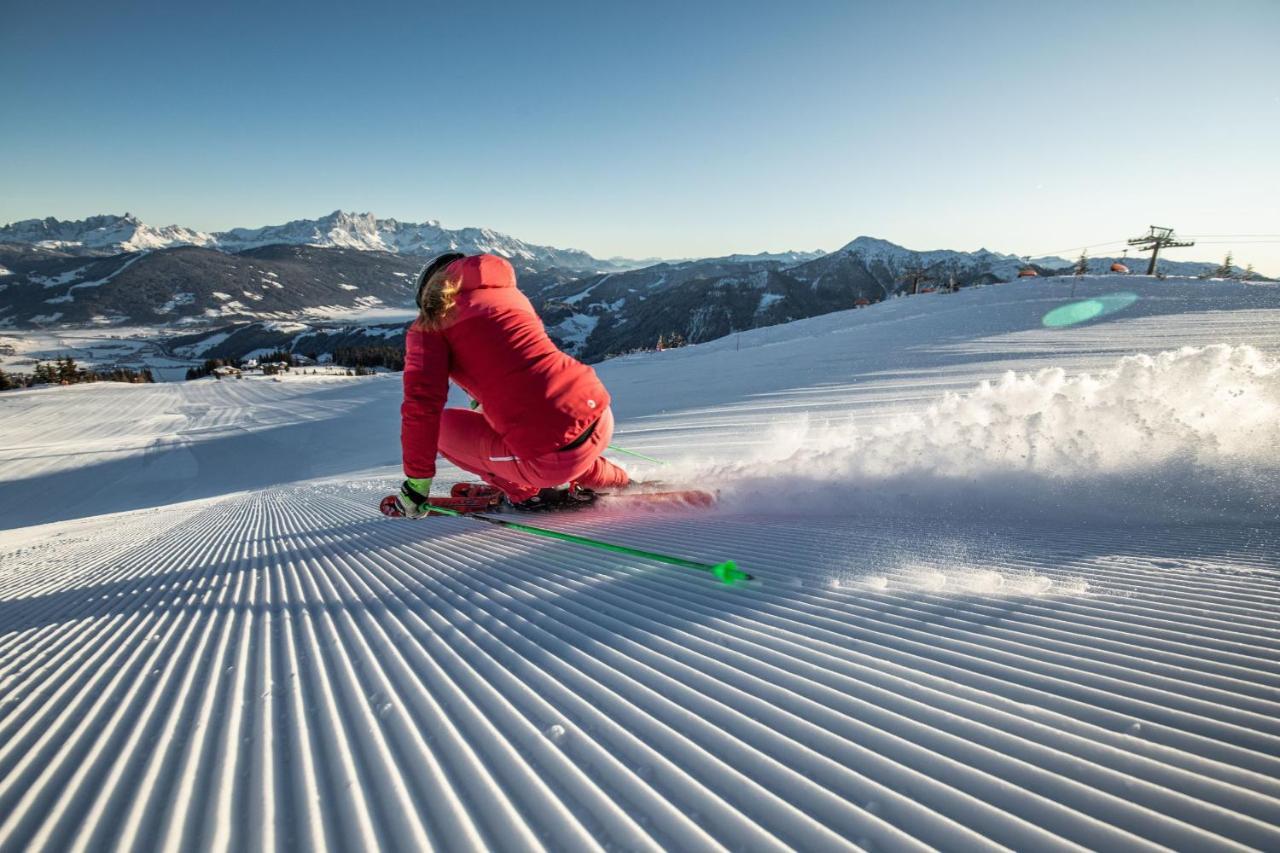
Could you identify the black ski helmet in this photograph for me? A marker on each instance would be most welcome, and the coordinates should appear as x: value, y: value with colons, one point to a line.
x: 434, y: 267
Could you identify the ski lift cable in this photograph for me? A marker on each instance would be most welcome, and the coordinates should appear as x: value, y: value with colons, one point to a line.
x: 1221, y: 239
x: 1076, y: 248
x: 1231, y: 236
x: 1237, y: 242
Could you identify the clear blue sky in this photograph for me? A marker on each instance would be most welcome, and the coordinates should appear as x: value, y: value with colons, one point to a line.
x: 657, y: 129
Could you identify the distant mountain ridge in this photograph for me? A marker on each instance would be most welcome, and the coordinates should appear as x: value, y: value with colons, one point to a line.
x: 107, y: 234
x: 355, y: 268
x: 364, y: 232
x: 604, y: 314
x: 899, y: 260
x: 939, y: 264
x: 191, y: 285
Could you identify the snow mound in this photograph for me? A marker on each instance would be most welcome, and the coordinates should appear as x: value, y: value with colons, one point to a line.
x: 1190, y: 433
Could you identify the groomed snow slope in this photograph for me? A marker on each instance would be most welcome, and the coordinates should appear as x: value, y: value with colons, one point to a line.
x: 1037, y: 614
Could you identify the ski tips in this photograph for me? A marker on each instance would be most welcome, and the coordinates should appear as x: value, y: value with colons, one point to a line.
x: 729, y: 572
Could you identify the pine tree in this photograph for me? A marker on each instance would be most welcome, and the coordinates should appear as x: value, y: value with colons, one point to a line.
x: 1249, y: 273
x: 5, y: 383
x: 1082, y: 264
x: 1224, y: 271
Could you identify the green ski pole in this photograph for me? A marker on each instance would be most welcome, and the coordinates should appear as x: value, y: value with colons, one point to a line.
x: 727, y: 571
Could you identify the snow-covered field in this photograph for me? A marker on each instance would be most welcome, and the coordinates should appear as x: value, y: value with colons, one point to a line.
x: 108, y: 346
x: 140, y: 347
x: 1034, y: 610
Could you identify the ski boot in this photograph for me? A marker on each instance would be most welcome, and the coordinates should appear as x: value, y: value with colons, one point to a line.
x: 463, y: 497
x: 556, y: 499
x: 476, y: 490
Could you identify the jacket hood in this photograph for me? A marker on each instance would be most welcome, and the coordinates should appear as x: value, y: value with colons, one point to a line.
x: 479, y: 271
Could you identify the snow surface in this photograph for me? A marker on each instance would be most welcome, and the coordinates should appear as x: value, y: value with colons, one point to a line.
x: 578, y: 297
x: 767, y: 299
x: 366, y: 310
x: 1032, y: 609
x: 57, y: 280
x: 109, y: 343
x: 197, y: 350
x: 573, y: 331
x: 284, y: 326
x: 178, y: 299
x: 69, y: 296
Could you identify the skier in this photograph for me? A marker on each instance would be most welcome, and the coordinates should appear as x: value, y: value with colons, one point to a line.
x: 543, y: 419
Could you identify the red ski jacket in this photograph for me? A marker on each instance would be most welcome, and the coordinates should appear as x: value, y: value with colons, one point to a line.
x: 495, y: 348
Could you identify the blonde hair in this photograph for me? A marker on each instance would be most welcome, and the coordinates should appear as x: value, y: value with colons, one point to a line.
x: 438, y: 298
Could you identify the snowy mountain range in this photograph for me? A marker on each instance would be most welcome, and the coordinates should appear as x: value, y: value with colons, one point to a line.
x: 339, y: 230
x: 600, y: 315
x: 897, y: 259
x: 117, y: 271
x: 365, y: 232
x: 107, y: 234
x: 939, y: 265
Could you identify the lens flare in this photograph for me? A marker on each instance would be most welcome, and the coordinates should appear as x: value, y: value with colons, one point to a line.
x: 1074, y: 313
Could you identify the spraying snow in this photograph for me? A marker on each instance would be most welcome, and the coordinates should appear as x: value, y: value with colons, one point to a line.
x: 1191, y: 433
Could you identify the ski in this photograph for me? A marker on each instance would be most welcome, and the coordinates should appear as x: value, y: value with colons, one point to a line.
x: 464, y: 497
x: 696, y: 498
x: 480, y: 497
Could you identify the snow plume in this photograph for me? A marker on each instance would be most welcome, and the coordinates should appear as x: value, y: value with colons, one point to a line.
x: 1184, y: 435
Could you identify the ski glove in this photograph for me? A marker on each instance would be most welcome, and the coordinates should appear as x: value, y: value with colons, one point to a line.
x: 412, y: 499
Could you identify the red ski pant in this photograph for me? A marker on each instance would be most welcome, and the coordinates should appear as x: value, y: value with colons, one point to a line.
x: 468, y: 441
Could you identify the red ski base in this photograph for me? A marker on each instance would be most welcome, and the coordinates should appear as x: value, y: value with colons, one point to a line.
x: 481, y: 497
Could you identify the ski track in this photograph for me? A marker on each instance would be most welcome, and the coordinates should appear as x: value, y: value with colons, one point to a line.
x: 283, y: 670
x: 276, y: 667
